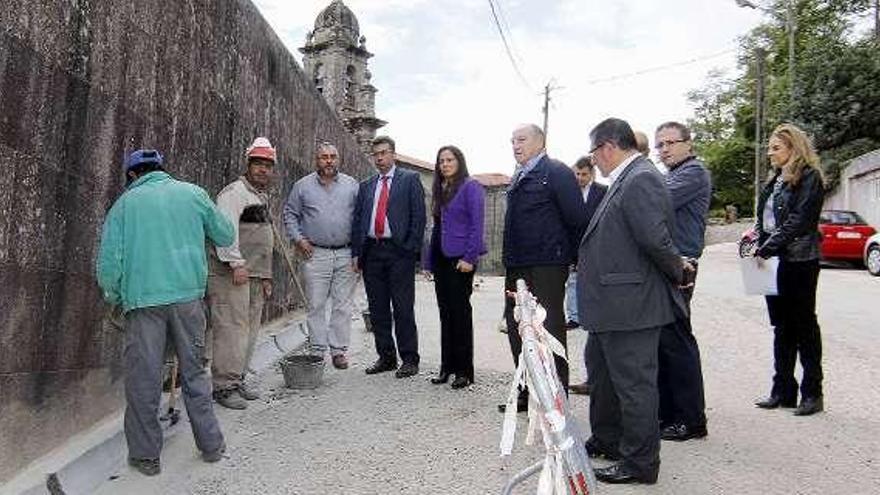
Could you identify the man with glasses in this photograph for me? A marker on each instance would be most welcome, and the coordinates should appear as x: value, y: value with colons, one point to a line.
x: 680, y: 379
x: 628, y: 271
x: 387, y: 229
x: 317, y: 217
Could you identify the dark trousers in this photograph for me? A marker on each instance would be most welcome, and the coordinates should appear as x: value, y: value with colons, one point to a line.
x: 390, y: 281
x: 547, y: 284
x: 793, y: 314
x: 680, y: 374
x: 622, y: 371
x: 454, y: 290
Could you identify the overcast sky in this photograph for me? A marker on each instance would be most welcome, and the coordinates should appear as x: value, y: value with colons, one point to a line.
x: 444, y: 77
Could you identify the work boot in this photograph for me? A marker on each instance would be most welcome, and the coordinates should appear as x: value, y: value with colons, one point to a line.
x: 230, y: 398
x: 147, y: 467
x: 249, y: 391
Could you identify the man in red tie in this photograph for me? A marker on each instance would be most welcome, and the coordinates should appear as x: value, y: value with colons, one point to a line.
x: 386, y: 236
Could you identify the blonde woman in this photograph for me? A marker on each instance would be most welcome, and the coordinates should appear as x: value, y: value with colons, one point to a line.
x: 787, y: 226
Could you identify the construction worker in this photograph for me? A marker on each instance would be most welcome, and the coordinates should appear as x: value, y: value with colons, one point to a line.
x: 152, y: 263
x: 240, y: 277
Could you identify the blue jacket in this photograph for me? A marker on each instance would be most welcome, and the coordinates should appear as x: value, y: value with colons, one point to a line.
x: 545, y: 218
x: 406, y: 212
x: 690, y: 188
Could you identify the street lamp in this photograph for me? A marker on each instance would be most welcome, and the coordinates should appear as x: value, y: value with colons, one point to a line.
x: 790, y: 26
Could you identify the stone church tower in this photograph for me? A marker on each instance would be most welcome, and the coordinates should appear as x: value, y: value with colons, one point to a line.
x: 335, y: 57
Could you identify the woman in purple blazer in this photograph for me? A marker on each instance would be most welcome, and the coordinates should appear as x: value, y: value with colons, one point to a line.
x: 456, y: 244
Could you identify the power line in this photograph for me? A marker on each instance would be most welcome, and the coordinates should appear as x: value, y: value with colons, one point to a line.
x: 507, y: 46
x: 658, y: 68
x: 506, y: 25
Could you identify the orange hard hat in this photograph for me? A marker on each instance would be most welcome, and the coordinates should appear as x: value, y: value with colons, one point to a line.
x: 261, y: 148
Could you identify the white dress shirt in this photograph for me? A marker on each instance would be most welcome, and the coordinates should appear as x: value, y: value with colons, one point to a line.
x: 387, y: 233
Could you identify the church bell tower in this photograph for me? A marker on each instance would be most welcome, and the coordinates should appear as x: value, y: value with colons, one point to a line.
x: 335, y: 57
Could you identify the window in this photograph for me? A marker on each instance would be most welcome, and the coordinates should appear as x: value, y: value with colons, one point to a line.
x: 840, y: 217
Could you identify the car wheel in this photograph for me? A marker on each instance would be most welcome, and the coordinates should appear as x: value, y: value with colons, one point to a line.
x: 873, y: 260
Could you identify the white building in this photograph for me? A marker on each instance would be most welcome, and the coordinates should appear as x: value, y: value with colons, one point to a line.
x: 859, y: 188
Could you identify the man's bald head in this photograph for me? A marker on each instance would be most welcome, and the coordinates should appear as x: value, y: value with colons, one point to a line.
x: 642, y: 143
x: 527, y: 142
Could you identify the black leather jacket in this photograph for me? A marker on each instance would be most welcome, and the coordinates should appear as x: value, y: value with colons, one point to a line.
x: 796, y: 210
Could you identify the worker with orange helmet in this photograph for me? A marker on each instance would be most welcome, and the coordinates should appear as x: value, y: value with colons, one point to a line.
x: 240, y: 278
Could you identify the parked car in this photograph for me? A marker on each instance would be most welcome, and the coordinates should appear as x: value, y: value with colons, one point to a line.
x: 844, y: 234
x: 872, y: 255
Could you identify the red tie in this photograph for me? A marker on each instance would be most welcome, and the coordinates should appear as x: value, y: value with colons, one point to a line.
x: 381, y: 207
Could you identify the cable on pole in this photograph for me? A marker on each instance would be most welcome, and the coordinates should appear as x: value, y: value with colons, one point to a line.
x: 507, y: 45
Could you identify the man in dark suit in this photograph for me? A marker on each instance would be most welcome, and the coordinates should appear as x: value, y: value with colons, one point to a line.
x: 544, y: 220
x: 628, y: 274
x: 593, y: 192
x: 387, y: 230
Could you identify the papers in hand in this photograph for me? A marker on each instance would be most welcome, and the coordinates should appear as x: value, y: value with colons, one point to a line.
x: 759, y: 279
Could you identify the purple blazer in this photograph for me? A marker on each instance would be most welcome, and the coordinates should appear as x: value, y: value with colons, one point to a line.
x: 461, y: 225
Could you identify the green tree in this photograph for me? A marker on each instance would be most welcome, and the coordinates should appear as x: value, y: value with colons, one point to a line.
x: 836, y: 94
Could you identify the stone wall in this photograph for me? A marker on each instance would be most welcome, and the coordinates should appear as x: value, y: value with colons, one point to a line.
x: 83, y: 82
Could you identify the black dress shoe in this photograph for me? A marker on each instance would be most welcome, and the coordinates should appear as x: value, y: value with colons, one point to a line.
x: 407, y: 370
x: 521, y: 406
x: 620, y: 474
x: 809, y: 406
x: 461, y: 381
x: 597, y: 451
x: 381, y: 366
x: 775, y: 401
x: 680, y: 432
x: 440, y: 379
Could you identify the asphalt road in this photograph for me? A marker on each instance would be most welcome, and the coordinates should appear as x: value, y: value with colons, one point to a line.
x: 363, y: 435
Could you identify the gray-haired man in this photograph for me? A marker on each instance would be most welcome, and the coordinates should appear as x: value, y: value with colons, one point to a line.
x: 317, y: 217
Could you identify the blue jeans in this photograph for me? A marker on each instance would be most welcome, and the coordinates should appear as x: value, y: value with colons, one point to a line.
x: 571, y: 305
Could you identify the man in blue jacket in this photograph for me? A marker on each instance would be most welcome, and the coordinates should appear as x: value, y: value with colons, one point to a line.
x: 542, y: 227
x: 680, y: 377
x: 152, y: 262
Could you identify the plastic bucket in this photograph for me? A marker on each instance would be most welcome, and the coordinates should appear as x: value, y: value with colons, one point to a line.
x: 302, y: 371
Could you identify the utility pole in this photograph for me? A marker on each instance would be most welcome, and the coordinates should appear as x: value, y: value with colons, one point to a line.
x: 548, y: 88
x: 759, y: 117
x: 877, y: 21
x: 791, y: 24
x: 546, y: 110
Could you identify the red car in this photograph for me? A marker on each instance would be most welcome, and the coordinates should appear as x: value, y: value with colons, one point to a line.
x: 844, y: 234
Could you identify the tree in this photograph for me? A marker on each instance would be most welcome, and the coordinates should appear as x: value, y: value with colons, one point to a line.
x: 836, y: 94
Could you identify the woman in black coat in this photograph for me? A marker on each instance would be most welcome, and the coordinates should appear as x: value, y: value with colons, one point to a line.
x: 788, y: 227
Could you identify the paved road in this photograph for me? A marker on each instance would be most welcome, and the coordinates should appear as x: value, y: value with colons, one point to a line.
x: 377, y: 435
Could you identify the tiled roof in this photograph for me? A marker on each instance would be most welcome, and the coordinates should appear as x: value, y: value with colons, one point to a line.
x: 492, y: 180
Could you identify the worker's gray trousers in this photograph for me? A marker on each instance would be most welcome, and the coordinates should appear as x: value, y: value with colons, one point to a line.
x: 146, y: 332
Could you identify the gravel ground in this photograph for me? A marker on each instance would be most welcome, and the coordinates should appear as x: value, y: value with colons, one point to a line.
x: 726, y: 232
x: 367, y: 435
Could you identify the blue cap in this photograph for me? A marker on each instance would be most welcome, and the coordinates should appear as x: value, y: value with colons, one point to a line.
x: 143, y: 157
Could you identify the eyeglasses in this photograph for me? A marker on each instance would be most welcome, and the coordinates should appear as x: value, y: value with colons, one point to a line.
x: 595, y: 148
x: 662, y: 144
x: 378, y: 153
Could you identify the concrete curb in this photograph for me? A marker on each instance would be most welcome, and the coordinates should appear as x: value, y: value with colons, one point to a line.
x: 85, y: 462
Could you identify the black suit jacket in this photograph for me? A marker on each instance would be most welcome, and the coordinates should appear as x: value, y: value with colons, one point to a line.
x: 406, y: 212
x: 597, y: 192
